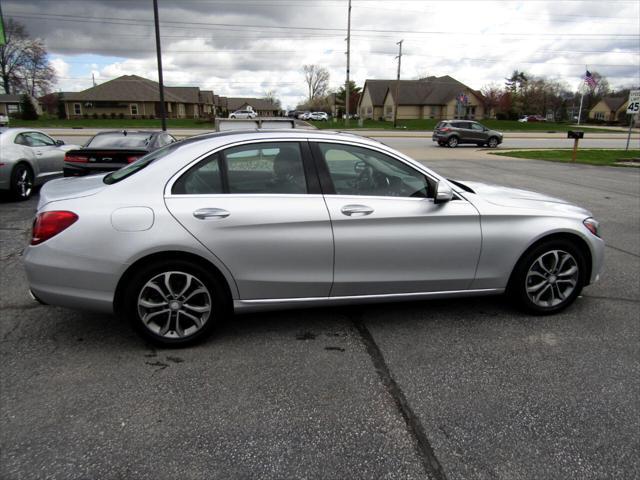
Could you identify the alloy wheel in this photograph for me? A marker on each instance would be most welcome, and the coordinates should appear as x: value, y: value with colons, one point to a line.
x: 453, y: 142
x: 493, y: 142
x: 174, y: 305
x: 552, y: 278
x: 24, y: 183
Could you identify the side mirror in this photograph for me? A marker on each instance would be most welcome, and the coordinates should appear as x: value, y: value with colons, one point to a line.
x: 443, y: 193
x: 59, y: 142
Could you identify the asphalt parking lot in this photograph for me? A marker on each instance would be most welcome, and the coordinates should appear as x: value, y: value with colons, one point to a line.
x: 463, y: 389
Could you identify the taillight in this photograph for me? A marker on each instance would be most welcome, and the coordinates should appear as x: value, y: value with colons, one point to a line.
x: 133, y: 158
x: 76, y: 158
x: 445, y: 129
x: 49, y: 224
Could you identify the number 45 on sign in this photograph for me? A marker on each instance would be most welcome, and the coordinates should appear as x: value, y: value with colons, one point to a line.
x: 634, y: 102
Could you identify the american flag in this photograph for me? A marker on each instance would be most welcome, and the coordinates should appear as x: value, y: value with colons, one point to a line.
x: 589, y: 80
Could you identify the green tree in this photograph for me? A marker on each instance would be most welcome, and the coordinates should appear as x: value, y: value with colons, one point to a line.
x: 27, y: 109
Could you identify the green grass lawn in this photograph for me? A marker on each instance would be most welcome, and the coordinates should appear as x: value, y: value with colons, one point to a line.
x: 114, y: 123
x: 428, y: 124
x: 589, y: 156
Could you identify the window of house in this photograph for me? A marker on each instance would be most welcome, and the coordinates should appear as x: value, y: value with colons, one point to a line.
x: 13, y: 108
x: 77, y: 109
x: 360, y: 171
x: 181, y: 109
x: 133, y: 108
x: 599, y: 116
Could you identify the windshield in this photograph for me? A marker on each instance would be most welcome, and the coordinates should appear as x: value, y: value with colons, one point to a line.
x: 139, y: 164
x: 119, y: 140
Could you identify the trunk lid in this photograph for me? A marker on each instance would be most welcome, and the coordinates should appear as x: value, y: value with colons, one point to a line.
x: 70, y: 187
x: 104, y: 155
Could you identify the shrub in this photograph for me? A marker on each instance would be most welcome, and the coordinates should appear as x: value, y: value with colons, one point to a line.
x: 103, y: 116
x: 94, y: 116
x: 121, y: 115
x: 27, y: 109
x: 112, y: 115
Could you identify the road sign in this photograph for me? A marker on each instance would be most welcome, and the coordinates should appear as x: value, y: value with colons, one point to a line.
x: 634, y: 102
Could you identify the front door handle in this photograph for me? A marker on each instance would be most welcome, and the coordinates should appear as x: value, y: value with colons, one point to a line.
x: 356, y: 210
x: 205, y: 213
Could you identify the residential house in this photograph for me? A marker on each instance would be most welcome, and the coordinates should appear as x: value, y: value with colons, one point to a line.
x: 430, y: 97
x: 10, y: 104
x: 264, y: 108
x: 609, y: 109
x: 132, y: 96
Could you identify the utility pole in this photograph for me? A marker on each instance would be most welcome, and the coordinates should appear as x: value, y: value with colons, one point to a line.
x: 346, y: 85
x: 163, y: 115
x: 93, y: 79
x: 395, y: 109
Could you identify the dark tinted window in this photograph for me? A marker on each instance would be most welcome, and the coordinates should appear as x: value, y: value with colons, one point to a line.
x: 204, y: 178
x: 360, y: 171
x: 266, y: 168
x: 119, y: 140
x: 142, y: 162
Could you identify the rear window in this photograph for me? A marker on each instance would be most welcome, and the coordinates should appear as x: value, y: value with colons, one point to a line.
x: 142, y: 162
x: 119, y: 140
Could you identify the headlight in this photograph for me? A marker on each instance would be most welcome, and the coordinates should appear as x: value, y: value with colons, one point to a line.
x: 592, y: 225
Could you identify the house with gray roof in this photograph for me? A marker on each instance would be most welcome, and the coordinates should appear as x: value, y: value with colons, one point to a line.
x: 10, y: 104
x: 609, y: 109
x: 131, y: 96
x: 264, y: 108
x: 430, y: 97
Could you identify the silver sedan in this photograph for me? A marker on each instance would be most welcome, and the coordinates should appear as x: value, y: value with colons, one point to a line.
x: 28, y: 158
x: 246, y: 221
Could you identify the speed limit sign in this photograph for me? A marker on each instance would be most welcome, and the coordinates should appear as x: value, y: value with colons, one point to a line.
x: 634, y: 102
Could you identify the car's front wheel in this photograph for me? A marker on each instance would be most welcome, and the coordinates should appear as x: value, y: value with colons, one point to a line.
x: 452, y: 142
x: 175, y: 303
x: 549, y: 277
x: 493, y: 142
x: 21, y: 182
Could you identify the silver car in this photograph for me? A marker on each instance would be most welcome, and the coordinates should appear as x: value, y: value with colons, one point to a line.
x: 246, y: 221
x: 28, y: 158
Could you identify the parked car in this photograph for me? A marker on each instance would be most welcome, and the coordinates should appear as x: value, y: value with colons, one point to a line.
x: 532, y: 118
x: 319, y: 116
x: 28, y: 158
x: 294, y: 113
x: 243, y: 114
x: 258, y: 220
x: 108, y: 151
x: 4, y: 121
x: 304, y: 116
x: 452, y: 133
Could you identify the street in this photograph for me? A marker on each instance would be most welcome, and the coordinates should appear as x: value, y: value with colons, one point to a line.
x: 464, y: 389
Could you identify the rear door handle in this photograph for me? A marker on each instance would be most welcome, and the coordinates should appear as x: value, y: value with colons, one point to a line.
x: 205, y: 213
x: 39, y: 154
x: 356, y: 210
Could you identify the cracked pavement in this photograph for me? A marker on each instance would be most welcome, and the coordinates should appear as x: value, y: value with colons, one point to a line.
x: 464, y: 389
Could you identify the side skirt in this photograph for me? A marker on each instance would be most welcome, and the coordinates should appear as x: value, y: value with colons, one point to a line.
x: 265, y: 304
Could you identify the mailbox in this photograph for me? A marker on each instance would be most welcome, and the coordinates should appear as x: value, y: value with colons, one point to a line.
x: 575, y: 134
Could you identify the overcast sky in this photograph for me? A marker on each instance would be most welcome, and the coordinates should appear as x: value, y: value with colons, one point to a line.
x: 246, y: 47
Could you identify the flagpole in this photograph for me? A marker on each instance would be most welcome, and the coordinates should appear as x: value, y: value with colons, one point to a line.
x: 586, y: 69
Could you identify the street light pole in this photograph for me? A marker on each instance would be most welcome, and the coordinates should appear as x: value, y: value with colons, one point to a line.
x: 163, y: 115
x: 395, y: 110
x: 346, y: 86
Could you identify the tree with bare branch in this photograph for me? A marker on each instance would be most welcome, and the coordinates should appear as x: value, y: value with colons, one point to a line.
x: 24, y: 66
x: 317, y: 79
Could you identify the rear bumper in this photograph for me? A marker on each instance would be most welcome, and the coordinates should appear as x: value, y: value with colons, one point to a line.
x: 57, y: 278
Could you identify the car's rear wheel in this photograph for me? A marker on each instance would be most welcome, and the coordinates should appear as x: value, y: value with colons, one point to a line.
x: 21, y: 182
x: 492, y: 142
x: 549, y: 277
x: 452, y: 142
x: 175, y: 303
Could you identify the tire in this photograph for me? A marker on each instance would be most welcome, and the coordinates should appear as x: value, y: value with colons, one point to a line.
x: 232, y: 116
x: 173, y: 317
x: 492, y: 142
x: 548, y: 278
x: 453, y: 142
x: 21, y: 182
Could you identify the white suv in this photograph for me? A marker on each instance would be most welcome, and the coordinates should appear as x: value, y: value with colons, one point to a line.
x: 243, y: 114
x: 319, y: 116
